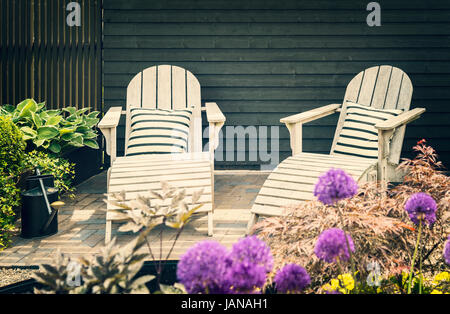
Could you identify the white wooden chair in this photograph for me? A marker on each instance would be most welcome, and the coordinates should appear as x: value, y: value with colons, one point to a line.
x: 163, y: 87
x: 379, y: 87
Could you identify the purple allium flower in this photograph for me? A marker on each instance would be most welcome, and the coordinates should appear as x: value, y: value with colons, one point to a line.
x: 447, y: 251
x: 421, y: 206
x: 202, y: 268
x: 331, y: 245
x: 292, y: 278
x: 335, y: 185
x: 253, y: 251
x: 245, y: 277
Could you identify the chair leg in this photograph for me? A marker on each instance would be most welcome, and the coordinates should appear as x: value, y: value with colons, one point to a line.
x: 108, y: 231
x: 253, y: 220
x: 210, y: 224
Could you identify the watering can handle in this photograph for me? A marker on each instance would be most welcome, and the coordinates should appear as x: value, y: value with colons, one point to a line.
x: 44, y: 192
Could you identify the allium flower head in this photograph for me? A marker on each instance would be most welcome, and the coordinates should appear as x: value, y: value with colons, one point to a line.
x: 253, y: 251
x: 331, y: 245
x: 421, y: 206
x: 292, y: 278
x: 447, y: 251
x: 202, y: 268
x: 245, y: 277
x: 335, y: 185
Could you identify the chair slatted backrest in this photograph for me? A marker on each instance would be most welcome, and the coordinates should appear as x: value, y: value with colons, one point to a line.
x: 379, y: 87
x: 167, y: 87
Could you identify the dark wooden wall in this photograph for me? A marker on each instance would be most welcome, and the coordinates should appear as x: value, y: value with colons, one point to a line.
x: 261, y: 60
x: 41, y: 57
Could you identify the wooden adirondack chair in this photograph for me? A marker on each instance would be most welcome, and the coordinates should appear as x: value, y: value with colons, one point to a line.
x: 379, y: 87
x: 163, y: 87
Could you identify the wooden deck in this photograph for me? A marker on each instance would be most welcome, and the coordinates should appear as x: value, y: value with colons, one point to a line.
x: 82, y: 222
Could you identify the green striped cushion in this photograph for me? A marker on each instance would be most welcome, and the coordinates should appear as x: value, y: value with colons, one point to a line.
x: 358, y: 136
x: 158, y: 131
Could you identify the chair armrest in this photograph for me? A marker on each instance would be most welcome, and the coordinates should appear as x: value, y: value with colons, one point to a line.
x: 216, y: 121
x: 311, y: 115
x: 108, y: 126
x: 295, y: 124
x: 399, y: 120
x: 213, y: 113
x: 111, y: 118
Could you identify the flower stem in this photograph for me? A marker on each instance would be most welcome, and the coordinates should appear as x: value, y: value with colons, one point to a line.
x: 414, y: 257
x: 352, y: 264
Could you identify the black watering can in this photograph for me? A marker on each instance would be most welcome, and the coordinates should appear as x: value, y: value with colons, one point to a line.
x: 39, y: 218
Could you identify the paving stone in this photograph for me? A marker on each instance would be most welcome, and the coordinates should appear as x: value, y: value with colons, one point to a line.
x: 94, y: 240
x: 82, y: 225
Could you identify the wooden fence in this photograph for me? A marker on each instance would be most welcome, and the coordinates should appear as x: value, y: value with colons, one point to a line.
x: 44, y: 58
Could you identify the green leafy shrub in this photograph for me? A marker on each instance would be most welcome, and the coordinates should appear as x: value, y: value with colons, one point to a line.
x: 61, y: 169
x: 12, y: 146
x: 9, y: 199
x: 54, y: 130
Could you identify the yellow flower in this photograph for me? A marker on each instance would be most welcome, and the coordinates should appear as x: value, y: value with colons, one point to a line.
x: 347, y: 281
x: 343, y: 284
x: 436, y: 292
x: 443, y: 276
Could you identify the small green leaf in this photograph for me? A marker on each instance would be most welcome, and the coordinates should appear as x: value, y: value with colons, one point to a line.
x: 36, y: 119
x: 38, y: 143
x: 76, y: 140
x: 46, y: 144
x: 90, y: 122
x: 53, y: 113
x: 81, y: 111
x: 65, y: 131
x: 40, y: 106
x: 90, y: 135
x: 28, y: 132
x: 83, y: 129
x: 25, y: 103
x: 93, y: 114
x: 26, y: 108
x: 70, y: 110
x: 54, y: 120
x: 47, y: 132
x: 55, y: 147
x: 91, y: 143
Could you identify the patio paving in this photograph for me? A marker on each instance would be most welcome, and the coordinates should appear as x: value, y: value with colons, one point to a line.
x: 82, y: 222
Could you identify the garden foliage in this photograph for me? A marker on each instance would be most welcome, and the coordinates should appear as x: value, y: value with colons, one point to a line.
x: 16, y: 163
x: 360, y: 241
x: 115, y: 269
x: 54, y: 130
x: 62, y: 170
x: 12, y: 147
x: 380, y: 227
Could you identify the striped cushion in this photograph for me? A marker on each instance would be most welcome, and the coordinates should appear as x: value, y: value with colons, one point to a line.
x: 358, y: 136
x: 158, y: 131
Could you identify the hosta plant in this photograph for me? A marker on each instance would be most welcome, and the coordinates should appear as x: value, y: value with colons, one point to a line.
x: 54, y: 130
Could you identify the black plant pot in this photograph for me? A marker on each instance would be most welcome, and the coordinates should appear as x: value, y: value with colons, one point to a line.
x: 88, y: 162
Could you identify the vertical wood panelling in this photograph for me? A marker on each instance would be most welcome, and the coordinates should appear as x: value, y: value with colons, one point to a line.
x: 45, y: 59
